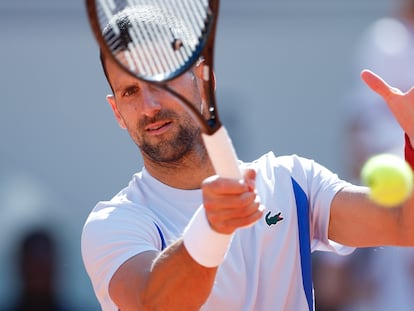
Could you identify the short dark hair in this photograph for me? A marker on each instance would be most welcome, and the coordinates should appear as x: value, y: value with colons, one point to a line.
x: 120, y: 38
x: 102, y: 59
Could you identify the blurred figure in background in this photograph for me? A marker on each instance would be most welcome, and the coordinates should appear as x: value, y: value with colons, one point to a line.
x: 36, y: 267
x: 386, y: 279
x: 340, y: 281
x: 332, y: 281
x: 386, y: 47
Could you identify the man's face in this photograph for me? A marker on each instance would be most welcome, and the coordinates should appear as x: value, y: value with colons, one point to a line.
x: 156, y: 121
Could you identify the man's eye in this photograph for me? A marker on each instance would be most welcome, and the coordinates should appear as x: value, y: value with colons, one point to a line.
x: 130, y: 91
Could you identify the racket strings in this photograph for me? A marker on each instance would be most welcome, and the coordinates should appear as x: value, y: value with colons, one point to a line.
x: 154, y: 38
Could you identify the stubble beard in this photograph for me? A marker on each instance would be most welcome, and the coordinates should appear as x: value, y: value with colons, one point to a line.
x: 174, y: 151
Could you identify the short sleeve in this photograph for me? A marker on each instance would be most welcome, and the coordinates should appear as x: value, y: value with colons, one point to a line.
x: 112, y: 235
x: 322, y: 186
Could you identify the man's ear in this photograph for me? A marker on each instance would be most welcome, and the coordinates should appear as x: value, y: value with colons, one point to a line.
x: 111, y: 101
x: 201, y: 69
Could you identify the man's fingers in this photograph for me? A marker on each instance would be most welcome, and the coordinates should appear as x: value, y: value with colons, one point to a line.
x: 378, y: 85
x: 219, y: 185
x: 228, y: 220
x: 236, y: 202
x: 215, y: 185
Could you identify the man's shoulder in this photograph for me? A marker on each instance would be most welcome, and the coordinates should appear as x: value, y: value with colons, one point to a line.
x: 127, y: 201
x: 270, y: 160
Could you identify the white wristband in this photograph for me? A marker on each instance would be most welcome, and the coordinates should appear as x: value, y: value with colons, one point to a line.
x: 206, y: 246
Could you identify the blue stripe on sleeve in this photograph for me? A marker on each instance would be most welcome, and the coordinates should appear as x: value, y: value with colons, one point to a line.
x: 163, y: 244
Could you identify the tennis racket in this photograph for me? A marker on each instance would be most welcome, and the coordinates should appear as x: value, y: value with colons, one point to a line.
x: 157, y: 41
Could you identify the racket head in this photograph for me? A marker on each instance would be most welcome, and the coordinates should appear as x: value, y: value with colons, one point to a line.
x: 155, y: 41
x: 183, y: 33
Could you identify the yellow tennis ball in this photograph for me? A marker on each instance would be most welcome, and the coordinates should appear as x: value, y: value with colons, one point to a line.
x: 389, y: 178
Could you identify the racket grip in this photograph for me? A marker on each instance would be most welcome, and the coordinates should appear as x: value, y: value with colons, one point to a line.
x: 222, y: 154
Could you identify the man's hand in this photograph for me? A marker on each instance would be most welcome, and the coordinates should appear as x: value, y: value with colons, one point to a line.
x: 231, y: 204
x: 401, y: 104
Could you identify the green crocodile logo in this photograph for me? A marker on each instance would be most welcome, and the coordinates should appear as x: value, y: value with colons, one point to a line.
x: 273, y: 220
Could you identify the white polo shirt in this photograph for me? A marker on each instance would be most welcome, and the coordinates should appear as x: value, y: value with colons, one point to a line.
x: 268, y: 265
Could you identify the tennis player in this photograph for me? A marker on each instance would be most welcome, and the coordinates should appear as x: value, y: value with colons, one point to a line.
x: 178, y: 237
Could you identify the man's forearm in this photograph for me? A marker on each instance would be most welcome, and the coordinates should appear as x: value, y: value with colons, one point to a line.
x: 171, y: 280
x: 177, y: 282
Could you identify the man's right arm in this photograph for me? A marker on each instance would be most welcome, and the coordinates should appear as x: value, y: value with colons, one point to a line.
x: 162, y: 281
x: 183, y: 275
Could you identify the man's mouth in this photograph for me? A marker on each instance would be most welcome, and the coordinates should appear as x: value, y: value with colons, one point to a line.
x: 157, y: 128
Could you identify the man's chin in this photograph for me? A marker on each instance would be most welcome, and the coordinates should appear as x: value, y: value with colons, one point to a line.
x: 168, y: 155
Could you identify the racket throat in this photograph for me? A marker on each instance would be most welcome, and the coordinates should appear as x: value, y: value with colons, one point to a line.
x: 213, y: 121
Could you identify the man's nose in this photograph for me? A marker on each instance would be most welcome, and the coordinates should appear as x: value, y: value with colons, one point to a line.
x: 150, y: 102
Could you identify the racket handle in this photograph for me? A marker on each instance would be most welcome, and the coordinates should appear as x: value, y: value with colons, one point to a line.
x: 222, y: 154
